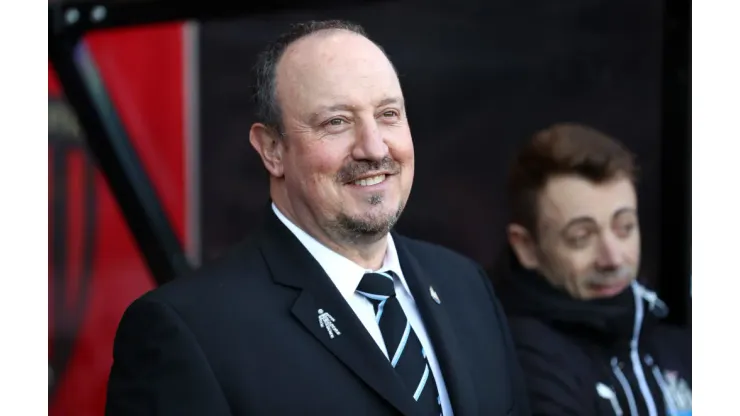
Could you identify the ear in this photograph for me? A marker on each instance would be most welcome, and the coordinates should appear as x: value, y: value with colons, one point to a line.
x: 270, y: 147
x: 524, y: 246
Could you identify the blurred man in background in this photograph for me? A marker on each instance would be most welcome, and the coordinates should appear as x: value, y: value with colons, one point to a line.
x: 587, y: 332
x: 325, y: 311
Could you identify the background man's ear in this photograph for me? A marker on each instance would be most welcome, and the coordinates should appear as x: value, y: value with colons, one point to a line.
x: 270, y: 147
x: 524, y: 246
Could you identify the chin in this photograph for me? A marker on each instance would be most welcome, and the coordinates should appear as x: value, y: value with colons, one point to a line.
x: 375, y: 214
x: 375, y: 211
x: 379, y: 202
x: 608, y: 291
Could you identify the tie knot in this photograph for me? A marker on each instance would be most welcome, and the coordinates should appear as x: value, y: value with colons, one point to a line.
x: 377, y: 286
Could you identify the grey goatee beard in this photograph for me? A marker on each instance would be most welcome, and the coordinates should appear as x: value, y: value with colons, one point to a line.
x: 366, y: 229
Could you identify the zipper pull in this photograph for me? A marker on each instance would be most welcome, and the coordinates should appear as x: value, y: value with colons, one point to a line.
x: 656, y: 305
x: 649, y: 360
x: 607, y: 393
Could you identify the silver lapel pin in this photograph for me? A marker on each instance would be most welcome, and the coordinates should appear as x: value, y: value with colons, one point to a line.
x: 327, y: 321
x: 434, y: 295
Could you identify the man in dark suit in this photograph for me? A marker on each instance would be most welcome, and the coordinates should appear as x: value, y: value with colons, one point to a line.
x: 325, y: 311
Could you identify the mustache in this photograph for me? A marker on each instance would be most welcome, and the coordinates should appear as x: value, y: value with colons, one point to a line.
x: 609, y: 276
x: 353, y: 170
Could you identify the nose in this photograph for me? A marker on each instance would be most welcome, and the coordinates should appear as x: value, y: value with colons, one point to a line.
x: 369, y: 142
x: 610, y: 254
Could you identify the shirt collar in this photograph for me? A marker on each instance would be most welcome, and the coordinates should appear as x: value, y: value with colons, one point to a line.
x: 345, y: 273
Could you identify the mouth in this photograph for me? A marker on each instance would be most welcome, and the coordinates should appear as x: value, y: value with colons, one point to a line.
x: 370, y: 180
x: 610, y: 289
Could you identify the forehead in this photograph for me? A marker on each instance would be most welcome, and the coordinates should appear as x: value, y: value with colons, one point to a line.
x: 332, y: 67
x: 567, y: 197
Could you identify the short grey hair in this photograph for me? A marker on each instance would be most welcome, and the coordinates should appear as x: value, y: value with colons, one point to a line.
x: 265, y: 95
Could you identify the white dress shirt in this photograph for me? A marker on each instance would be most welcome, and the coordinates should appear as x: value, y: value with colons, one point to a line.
x: 347, y: 274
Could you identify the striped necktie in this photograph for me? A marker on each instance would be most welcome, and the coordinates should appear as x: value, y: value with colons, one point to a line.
x: 405, y: 352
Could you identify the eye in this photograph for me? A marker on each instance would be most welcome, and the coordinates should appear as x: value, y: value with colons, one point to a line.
x: 580, y: 239
x: 335, y: 122
x: 390, y: 113
x: 625, y: 230
x: 335, y: 125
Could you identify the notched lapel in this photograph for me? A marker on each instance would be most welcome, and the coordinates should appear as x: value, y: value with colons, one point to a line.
x: 438, y: 324
x: 292, y: 265
x: 353, y: 346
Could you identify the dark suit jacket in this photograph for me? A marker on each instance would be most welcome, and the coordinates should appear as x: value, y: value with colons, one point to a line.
x: 242, y: 337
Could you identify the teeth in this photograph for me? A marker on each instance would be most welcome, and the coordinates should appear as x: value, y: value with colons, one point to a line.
x: 370, y: 181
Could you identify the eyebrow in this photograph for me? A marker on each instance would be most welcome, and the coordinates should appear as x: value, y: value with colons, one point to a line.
x: 625, y: 210
x: 578, y: 221
x: 590, y: 220
x: 391, y: 100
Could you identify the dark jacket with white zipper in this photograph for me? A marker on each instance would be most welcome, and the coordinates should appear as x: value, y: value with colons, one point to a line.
x: 600, y: 357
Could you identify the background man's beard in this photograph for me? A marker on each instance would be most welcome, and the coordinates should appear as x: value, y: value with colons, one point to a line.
x: 604, y: 277
x: 558, y: 274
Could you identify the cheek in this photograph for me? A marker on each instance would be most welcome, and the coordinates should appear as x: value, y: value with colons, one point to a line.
x: 633, y: 249
x: 577, y: 265
x: 307, y: 173
x: 316, y: 163
x: 402, y: 149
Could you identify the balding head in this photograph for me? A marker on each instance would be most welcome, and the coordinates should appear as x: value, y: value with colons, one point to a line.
x: 328, y: 69
x: 265, y: 71
x: 343, y: 164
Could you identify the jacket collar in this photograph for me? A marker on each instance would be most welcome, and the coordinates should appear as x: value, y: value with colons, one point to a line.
x: 606, y: 321
x: 291, y: 265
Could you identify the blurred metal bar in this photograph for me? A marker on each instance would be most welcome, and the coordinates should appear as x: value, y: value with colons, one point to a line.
x: 79, y: 16
x: 675, y: 176
x: 116, y: 158
x: 69, y: 21
x: 191, y: 110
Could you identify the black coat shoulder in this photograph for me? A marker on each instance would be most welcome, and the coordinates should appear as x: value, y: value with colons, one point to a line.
x: 556, y: 370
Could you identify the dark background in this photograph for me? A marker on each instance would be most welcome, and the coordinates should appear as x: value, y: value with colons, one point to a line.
x: 478, y: 79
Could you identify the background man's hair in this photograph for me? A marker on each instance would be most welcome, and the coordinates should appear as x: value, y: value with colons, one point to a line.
x: 268, y: 109
x: 563, y: 149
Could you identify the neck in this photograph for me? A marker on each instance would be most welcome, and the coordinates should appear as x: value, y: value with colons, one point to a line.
x: 368, y: 253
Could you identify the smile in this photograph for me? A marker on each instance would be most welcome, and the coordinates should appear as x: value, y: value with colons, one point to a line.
x: 373, y: 180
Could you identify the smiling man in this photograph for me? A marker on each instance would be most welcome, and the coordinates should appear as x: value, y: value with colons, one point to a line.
x: 326, y: 311
x: 587, y: 332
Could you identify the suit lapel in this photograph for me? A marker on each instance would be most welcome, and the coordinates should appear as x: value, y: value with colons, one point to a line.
x: 438, y: 324
x: 292, y: 265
